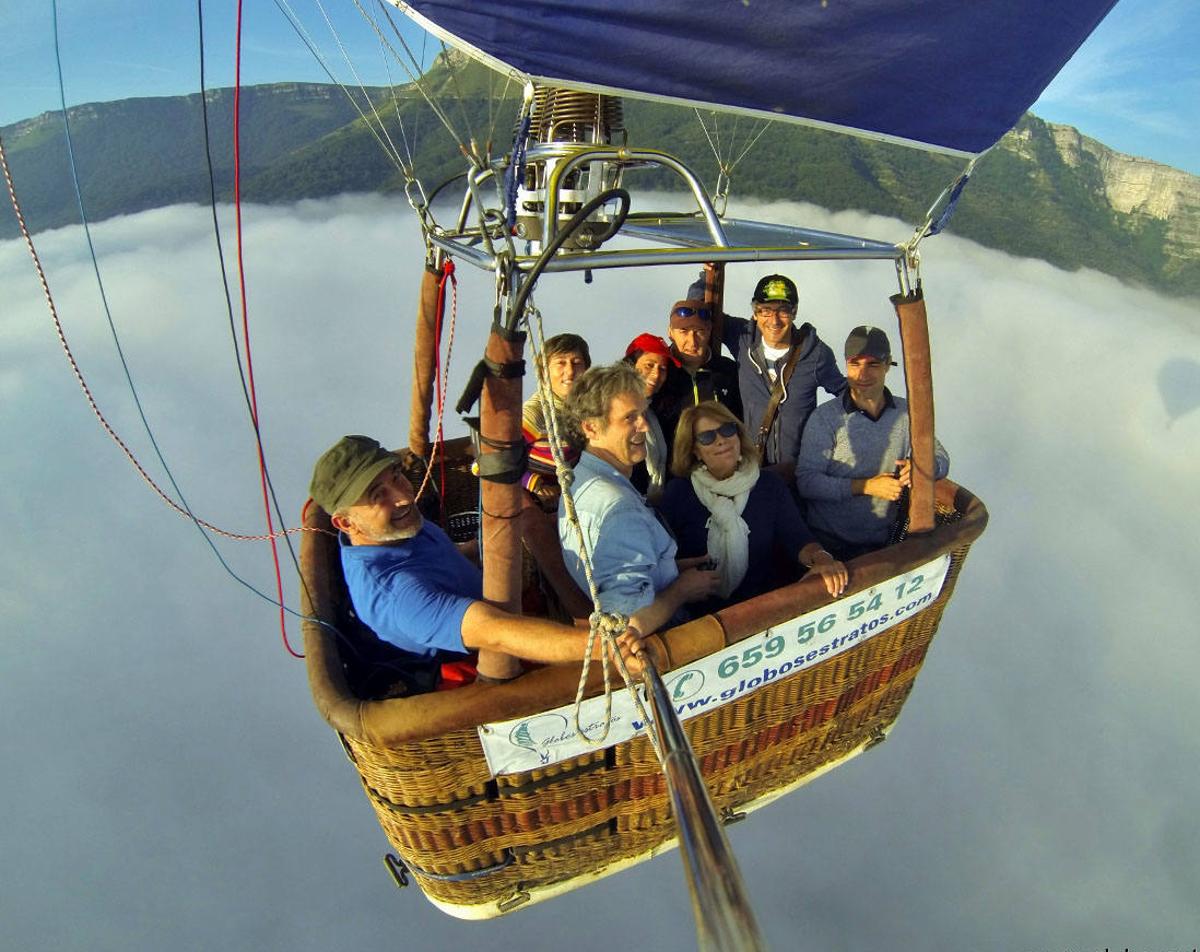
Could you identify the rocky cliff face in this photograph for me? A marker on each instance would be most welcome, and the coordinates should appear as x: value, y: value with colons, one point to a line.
x: 1139, y: 187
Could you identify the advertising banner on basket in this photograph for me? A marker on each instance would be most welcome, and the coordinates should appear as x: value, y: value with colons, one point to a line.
x: 526, y: 743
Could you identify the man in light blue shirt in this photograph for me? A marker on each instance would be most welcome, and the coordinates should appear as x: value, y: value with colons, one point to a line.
x: 632, y: 553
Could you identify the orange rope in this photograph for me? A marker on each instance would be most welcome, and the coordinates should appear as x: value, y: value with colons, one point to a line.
x: 87, y: 393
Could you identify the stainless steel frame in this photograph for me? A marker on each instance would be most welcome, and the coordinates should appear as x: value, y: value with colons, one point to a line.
x: 660, y: 238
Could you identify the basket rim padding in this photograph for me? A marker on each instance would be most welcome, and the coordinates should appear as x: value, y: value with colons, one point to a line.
x: 406, y: 719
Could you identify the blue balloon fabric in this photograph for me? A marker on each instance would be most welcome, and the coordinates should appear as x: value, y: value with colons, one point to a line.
x: 942, y: 74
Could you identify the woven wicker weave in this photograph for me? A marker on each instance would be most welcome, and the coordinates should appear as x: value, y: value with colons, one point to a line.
x: 533, y: 834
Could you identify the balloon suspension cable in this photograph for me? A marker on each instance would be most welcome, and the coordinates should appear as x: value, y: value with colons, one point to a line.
x: 414, y: 70
x: 605, y: 625
x: 940, y: 212
x: 393, y: 152
x: 388, y: 147
x: 726, y: 162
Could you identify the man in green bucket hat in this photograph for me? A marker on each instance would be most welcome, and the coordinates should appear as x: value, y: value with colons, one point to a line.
x: 411, y: 585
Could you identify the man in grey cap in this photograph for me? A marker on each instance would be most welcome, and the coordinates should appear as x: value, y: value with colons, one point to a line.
x: 411, y: 585
x: 854, y: 457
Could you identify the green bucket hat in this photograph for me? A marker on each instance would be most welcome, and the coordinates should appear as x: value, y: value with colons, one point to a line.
x: 346, y: 469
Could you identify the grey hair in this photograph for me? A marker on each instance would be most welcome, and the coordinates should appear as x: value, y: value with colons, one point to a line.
x: 592, y: 394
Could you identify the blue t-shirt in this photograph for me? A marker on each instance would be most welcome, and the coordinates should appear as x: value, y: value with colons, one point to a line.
x: 413, y: 594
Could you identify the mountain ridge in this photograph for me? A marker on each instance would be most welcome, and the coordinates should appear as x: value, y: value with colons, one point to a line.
x: 1045, y: 190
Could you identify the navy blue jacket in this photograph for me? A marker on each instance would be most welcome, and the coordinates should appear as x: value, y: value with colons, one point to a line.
x: 815, y: 367
x: 716, y: 380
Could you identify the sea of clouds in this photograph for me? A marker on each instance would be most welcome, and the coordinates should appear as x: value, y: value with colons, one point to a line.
x: 168, y: 785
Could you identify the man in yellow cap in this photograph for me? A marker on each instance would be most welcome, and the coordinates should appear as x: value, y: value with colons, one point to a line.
x: 780, y: 366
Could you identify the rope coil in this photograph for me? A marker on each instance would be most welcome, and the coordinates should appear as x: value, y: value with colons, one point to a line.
x: 601, y: 624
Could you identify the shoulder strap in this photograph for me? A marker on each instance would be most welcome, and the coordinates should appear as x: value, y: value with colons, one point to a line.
x: 777, y: 393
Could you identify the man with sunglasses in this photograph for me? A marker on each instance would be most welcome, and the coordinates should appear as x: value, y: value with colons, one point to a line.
x: 854, y: 461
x: 701, y: 372
x: 779, y: 367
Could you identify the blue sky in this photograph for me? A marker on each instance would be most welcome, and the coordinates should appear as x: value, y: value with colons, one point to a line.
x: 1135, y: 84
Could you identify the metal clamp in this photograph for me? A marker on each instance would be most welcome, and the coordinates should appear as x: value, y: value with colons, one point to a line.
x: 395, y: 866
x: 730, y: 815
x: 517, y: 899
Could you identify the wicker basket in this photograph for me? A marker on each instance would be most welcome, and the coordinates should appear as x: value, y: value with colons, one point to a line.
x: 481, y: 846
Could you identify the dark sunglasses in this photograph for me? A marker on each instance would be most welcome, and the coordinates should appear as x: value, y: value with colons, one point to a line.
x: 701, y: 312
x: 708, y: 437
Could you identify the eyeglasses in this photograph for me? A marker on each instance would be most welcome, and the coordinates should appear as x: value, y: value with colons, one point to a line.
x: 765, y: 309
x: 708, y: 437
x: 701, y: 312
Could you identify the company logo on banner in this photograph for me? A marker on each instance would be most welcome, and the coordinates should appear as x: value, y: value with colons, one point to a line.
x: 547, y: 738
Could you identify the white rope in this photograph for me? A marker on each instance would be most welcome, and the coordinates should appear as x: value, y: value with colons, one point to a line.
x: 606, y: 625
x: 392, y: 154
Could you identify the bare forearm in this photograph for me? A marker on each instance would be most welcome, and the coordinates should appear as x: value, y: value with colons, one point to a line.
x: 487, y: 628
x: 810, y: 553
x: 666, y: 603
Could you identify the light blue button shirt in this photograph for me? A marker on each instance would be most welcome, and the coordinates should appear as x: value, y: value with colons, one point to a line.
x: 633, y: 555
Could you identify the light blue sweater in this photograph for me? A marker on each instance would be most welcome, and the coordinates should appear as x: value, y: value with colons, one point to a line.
x: 841, y: 444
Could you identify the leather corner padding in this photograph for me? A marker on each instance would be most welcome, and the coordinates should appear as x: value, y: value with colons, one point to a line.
x: 695, y: 639
x: 660, y: 651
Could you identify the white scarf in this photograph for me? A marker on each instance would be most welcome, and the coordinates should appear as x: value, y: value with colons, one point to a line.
x: 728, y: 534
x: 656, y: 451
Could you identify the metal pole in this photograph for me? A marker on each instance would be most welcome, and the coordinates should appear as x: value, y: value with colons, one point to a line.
x: 724, y: 920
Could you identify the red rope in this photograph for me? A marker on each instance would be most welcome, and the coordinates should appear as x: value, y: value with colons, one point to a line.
x: 87, y: 391
x: 237, y: 205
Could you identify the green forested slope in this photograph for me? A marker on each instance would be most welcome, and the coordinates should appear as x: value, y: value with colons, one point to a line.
x: 306, y: 140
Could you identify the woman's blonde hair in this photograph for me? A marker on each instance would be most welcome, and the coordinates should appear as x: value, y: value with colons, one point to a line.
x: 684, y: 458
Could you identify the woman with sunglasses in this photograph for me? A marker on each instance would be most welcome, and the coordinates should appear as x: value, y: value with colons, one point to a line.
x: 651, y: 357
x: 744, y: 518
